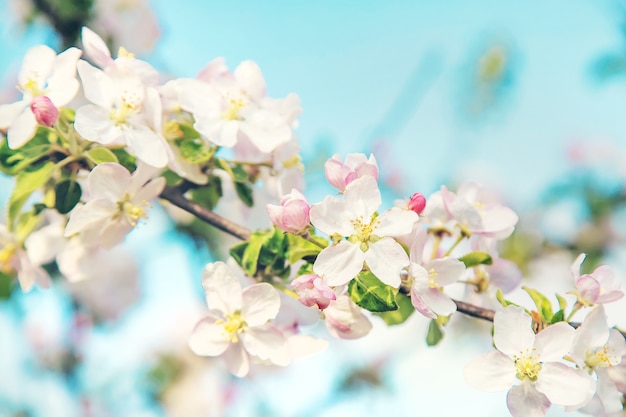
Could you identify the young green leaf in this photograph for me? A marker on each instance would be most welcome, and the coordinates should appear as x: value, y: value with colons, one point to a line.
x: 435, y: 334
x: 68, y: 193
x: 544, y: 308
x: 370, y: 293
x: 404, y: 311
x: 476, y: 258
x: 101, y: 155
x: 27, y: 182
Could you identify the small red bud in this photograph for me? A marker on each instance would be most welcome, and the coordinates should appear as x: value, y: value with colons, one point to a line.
x: 44, y: 110
x: 417, y: 203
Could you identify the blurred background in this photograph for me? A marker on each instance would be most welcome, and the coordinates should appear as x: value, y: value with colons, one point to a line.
x: 526, y: 100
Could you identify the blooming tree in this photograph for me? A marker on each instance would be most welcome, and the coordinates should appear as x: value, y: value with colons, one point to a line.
x: 89, y: 167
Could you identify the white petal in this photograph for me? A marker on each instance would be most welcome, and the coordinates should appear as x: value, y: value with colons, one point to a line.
x: 362, y: 197
x: 607, y: 391
x: 396, y: 222
x: 420, y: 305
x: 525, y: 401
x: 250, y: 78
x: 554, y: 342
x: 97, y: 86
x: 386, y: 258
x: 37, y: 65
x: 563, y: 385
x: 492, y: 371
x: 208, y: 339
x: 512, y: 332
x: 95, y: 212
x: 222, y: 288
x: 22, y: 129
x: 44, y: 244
x: 331, y: 216
x: 95, y: 48
x: 449, y: 270
x: 267, y: 343
x: 92, y: 122
x: 261, y: 303
x: 147, y: 146
x: 592, y: 333
x: 339, y: 263
x: 10, y: 112
x: 108, y: 180
x: 237, y: 360
x: 438, y: 302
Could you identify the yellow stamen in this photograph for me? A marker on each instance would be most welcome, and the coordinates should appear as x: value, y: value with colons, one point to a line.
x: 527, y: 366
x: 232, y: 111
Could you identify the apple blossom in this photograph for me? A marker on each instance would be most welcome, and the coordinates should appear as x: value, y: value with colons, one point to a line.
x: 237, y: 323
x: 528, y: 365
x: 599, y: 287
x: 293, y: 213
x: 46, y: 113
x: 417, y: 203
x: 477, y: 212
x: 340, y: 174
x: 369, y: 236
x: 345, y: 320
x: 313, y: 291
x: 595, y: 348
x: 427, y: 294
x: 43, y: 73
x: 117, y: 202
x: 15, y: 260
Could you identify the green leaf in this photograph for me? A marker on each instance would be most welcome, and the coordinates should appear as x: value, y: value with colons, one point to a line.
x: 435, y: 334
x: 12, y: 161
x: 26, y: 223
x: 299, y: 247
x: 370, y: 293
x: 6, y: 285
x: 26, y: 183
x: 195, y: 151
x: 67, y: 195
x: 101, y: 155
x: 562, y: 302
x: 502, y: 300
x: 250, y: 258
x: 237, y: 252
x: 476, y: 258
x: 244, y: 191
x: 544, y: 307
x: 558, y: 316
x: 236, y: 171
x: 208, y: 195
x: 404, y: 311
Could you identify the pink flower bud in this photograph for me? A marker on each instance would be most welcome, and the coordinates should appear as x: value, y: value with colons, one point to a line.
x: 44, y: 110
x: 313, y: 291
x: 417, y: 203
x: 293, y: 213
x: 340, y: 174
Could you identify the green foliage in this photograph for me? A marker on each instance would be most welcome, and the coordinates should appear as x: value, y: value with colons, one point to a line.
x: 27, y: 182
x: 6, y: 285
x: 101, y: 155
x: 502, y: 300
x: 263, y: 254
x: 300, y: 248
x: 399, y: 316
x: 195, y: 150
x: 241, y: 179
x: 208, y: 195
x: 434, y: 334
x: 13, y: 161
x: 544, y: 307
x: 244, y: 192
x: 67, y: 195
x: 367, y: 291
x: 476, y: 258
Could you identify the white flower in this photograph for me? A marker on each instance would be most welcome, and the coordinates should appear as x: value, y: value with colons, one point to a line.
x: 596, y: 348
x: 530, y: 362
x: 599, y: 287
x: 344, y: 319
x: 15, y: 260
x: 43, y: 73
x: 368, y: 235
x: 237, y: 324
x: 427, y: 293
x: 117, y: 202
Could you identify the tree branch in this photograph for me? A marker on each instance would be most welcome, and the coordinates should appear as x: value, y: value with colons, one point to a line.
x: 175, y: 196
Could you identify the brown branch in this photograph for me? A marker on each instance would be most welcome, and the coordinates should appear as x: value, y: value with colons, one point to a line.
x: 176, y: 197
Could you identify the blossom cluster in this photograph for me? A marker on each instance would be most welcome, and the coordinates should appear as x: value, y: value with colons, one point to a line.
x: 96, y: 140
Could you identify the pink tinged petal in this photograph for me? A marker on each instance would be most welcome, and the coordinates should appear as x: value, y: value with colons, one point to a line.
x: 493, y: 371
x: 420, y: 305
x: 438, y: 302
x: 504, y: 274
x: 525, y: 401
x: 420, y: 277
x: 563, y: 385
x: 588, y: 288
x: 95, y: 48
x: 610, y: 297
x: 339, y: 263
x: 336, y: 173
x: 345, y: 320
x: 385, y: 259
x: 396, y: 222
x: 260, y: 303
x: 617, y: 346
x: 497, y: 219
x: 147, y: 146
x: 267, y: 343
x: 208, y: 338
x: 512, y: 331
x: 554, y: 342
x: 237, y: 360
x: 331, y: 216
x: 22, y: 129
x: 45, y: 112
x: 448, y: 270
x: 10, y: 112
x: 97, y: 86
x: 362, y: 197
x: 108, y: 180
x: 150, y: 191
x: 222, y: 288
x: 114, y: 232
x: 575, y: 267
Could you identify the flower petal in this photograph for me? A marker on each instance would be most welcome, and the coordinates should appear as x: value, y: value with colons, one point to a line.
x: 512, y: 332
x: 260, y: 303
x: 267, y: 343
x: 438, y: 302
x: 339, y: 263
x: 208, y: 338
x: 525, y: 401
x: 237, y: 360
x: 554, y: 342
x: 492, y: 371
x: 564, y: 385
x: 222, y: 288
x: 386, y: 258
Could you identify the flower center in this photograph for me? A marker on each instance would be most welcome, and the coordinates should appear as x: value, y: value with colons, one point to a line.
x: 600, y: 357
x: 233, y: 108
x: 527, y: 366
x: 31, y: 86
x: 130, y: 104
x: 432, y: 278
x: 132, y: 211
x: 234, y: 325
x: 363, y: 232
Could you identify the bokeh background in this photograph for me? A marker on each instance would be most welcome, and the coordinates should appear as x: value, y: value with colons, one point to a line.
x: 527, y: 99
